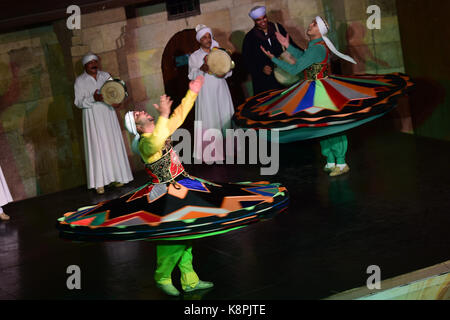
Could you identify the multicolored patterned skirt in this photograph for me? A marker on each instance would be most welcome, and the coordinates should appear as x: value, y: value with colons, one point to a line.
x: 320, y: 107
x: 178, y: 207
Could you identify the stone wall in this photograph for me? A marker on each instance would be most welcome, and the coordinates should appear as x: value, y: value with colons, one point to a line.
x: 376, y: 51
x: 40, y: 135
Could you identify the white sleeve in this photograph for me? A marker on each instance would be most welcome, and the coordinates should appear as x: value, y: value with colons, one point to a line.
x: 194, y: 68
x: 82, y: 99
x: 229, y: 74
x: 105, y: 76
x: 108, y: 76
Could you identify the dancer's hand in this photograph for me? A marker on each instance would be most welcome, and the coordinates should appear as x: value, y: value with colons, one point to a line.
x: 267, y: 53
x: 164, y: 106
x: 196, y: 85
x: 284, y: 41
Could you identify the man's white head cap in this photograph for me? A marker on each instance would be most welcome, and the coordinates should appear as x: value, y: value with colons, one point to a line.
x: 257, y: 12
x: 201, y: 30
x: 323, y: 28
x: 89, y: 57
x: 130, y: 125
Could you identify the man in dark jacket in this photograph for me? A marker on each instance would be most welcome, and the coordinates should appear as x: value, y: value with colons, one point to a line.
x: 257, y: 63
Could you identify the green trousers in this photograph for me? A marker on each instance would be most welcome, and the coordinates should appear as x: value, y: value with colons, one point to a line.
x: 334, y: 148
x: 170, y: 255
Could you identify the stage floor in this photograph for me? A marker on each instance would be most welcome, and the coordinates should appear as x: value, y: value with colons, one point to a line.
x: 392, y: 210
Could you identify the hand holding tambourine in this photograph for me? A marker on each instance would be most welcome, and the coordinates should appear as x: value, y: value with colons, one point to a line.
x: 98, y: 96
x: 205, y: 67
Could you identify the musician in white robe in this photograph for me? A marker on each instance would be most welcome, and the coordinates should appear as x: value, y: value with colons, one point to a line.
x: 5, y: 196
x: 214, y: 106
x: 106, y: 156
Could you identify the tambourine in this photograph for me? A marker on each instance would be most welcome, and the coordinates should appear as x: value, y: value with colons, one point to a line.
x: 114, y: 91
x: 282, y: 76
x: 219, y: 62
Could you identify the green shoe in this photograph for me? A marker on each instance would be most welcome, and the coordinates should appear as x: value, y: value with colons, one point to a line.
x: 200, y: 286
x: 169, y: 289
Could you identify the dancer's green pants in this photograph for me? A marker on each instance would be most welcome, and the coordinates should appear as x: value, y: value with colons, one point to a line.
x: 170, y: 255
x: 334, y: 148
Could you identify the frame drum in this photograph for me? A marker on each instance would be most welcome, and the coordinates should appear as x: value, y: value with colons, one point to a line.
x: 282, y: 76
x: 219, y: 62
x: 114, y: 91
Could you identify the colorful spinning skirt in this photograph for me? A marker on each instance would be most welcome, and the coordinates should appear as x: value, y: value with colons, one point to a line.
x: 187, y: 207
x: 315, y: 108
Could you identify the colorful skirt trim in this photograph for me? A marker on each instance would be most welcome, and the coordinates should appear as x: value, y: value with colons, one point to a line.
x: 186, y: 208
x: 323, y: 103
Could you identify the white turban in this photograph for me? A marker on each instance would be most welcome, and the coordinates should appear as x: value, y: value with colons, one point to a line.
x: 257, y: 12
x: 201, y: 30
x: 130, y: 125
x: 89, y: 57
x: 323, y: 28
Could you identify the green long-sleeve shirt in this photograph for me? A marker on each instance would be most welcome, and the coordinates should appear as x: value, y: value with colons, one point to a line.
x: 313, y: 54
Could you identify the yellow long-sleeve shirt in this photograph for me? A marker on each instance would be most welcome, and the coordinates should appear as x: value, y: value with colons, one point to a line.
x: 151, y: 144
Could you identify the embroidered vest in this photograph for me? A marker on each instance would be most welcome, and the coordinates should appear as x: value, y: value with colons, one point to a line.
x: 318, y: 70
x: 167, y: 168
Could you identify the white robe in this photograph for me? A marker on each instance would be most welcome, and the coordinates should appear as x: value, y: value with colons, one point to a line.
x: 106, y: 155
x: 213, y: 107
x: 5, y: 195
